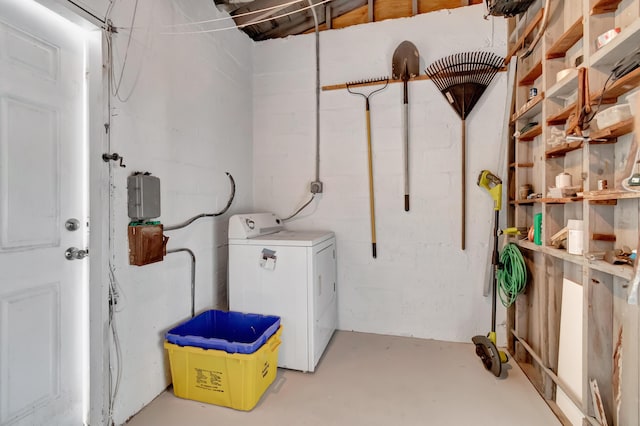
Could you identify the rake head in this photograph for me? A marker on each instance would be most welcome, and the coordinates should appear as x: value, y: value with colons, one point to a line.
x: 463, y: 77
x: 368, y: 82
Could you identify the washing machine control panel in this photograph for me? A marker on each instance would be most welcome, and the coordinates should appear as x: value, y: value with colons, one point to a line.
x: 251, y: 225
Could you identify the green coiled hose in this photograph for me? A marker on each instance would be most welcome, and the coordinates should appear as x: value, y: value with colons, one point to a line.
x: 512, y: 276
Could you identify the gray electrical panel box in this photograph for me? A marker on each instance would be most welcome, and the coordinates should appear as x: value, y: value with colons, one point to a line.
x: 144, y: 196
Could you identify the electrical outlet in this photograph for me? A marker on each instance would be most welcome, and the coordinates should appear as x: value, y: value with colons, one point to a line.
x: 316, y: 187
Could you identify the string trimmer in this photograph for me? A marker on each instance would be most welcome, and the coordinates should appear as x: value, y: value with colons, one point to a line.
x: 486, y: 348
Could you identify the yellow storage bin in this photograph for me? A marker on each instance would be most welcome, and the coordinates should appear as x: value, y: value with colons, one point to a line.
x: 217, y: 377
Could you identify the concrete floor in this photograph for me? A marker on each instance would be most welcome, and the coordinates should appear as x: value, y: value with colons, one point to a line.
x: 368, y: 379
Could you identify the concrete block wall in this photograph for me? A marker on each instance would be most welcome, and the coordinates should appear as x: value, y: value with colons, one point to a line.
x: 422, y: 284
x: 187, y: 121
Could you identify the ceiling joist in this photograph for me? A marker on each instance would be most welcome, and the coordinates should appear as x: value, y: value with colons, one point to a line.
x: 335, y: 14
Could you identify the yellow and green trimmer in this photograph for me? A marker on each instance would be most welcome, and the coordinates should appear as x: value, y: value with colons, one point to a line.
x: 486, y: 348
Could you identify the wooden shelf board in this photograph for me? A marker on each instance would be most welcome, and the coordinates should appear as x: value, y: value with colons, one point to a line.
x: 527, y: 32
x: 564, y: 255
x: 624, y: 43
x: 532, y: 75
x: 603, y: 202
x: 562, y: 150
x: 622, y: 271
x: 566, y: 40
x: 563, y: 88
x: 605, y: 6
x: 523, y: 202
x: 619, y: 87
x: 610, y: 194
x: 603, y: 237
x: 531, y: 134
x: 529, y: 245
x: 561, y: 117
x: 564, y: 200
x: 552, y: 251
x: 532, y: 108
x: 613, y: 132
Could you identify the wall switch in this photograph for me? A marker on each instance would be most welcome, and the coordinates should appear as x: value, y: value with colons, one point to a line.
x: 316, y: 187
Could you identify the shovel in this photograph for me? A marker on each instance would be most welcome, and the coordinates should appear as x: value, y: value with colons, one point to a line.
x: 405, y: 65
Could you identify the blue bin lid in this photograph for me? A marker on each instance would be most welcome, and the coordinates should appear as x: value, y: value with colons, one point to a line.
x: 233, y: 332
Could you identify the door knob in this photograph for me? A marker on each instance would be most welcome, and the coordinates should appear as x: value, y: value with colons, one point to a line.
x: 72, y: 224
x: 73, y: 253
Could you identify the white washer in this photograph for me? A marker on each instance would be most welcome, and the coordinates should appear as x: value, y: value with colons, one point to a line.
x: 291, y: 274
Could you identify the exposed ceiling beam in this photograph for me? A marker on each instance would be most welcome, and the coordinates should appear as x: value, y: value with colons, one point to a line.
x: 289, y: 28
x: 260, y: 4
x: 336, y: 14
x: 340, y: 7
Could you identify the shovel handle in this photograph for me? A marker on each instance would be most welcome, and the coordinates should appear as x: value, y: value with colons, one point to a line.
x: 405, y: 149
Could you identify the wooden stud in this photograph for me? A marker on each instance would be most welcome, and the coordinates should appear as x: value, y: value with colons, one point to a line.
x: 603, y: 202
x: 603, y: 237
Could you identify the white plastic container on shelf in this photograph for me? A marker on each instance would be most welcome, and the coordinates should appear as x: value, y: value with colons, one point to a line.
x: 613, y: 115
x: 575, y: 244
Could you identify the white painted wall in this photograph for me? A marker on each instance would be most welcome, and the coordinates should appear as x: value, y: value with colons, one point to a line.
x: 187, y: 121
x: 421, y: 284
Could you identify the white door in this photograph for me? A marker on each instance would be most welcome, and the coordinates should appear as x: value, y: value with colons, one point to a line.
x: 42, y: 184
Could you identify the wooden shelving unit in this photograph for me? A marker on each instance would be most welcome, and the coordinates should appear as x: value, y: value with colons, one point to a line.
x: 619, y: 87
x: 531, y: 134
x: 613, y: 132
x: 525, y: 34
x: 566, y: 40
x: 523, y: 202
x: 610, y: 218
x: 622, y: 271
x: 532, y: 108
x: 562, y: 150
x: 605, y: 6
x: 530, y: 77
x: 560, y: 200
x: 610, y: 195
x: 565, y: 86
x: 561, y: 117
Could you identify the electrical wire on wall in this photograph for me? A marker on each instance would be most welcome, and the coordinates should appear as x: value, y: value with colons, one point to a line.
x: 114, y: 291
x: 188, y: 222
x: 116, y: 82
x: 318, y: 188
x: 189, y: 251
x: 116, y: 295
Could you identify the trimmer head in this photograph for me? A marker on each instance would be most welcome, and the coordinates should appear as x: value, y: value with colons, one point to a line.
x: 489, y: 354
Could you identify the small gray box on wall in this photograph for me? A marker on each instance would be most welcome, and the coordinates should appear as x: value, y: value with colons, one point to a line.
x: 144, y: 196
